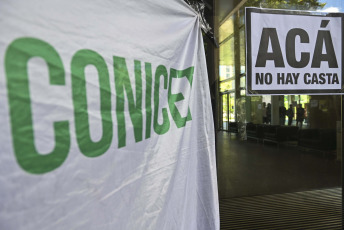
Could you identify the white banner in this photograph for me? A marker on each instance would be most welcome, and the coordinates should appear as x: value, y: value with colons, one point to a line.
x: 106, y: 119
x: 293, y: 52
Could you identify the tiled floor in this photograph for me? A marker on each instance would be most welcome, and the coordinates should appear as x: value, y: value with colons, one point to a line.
x: 263, y: 186
x: 316, y: 209
x: 247, y: 168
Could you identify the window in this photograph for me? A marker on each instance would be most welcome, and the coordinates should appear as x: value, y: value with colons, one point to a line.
x: 227, y: 69
x: 226, y: 29
x: 227, y: 85
x: 242, y: 50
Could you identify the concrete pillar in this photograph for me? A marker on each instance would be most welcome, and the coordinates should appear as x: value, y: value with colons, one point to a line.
x: 248, y: 109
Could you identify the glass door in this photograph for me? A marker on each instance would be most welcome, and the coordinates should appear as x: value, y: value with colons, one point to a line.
x: 225, y: 111
x: 228, y: 109
x: 231, y: 106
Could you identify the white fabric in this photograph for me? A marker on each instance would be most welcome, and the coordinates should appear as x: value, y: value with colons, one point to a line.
x: 166, y: 181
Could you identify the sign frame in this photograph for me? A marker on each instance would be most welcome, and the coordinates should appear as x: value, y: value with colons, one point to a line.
x: 249, y: 66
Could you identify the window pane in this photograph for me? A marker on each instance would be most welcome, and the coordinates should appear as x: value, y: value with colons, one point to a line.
x: 226, y: 29
x: 242, y: 51
x: 227, y: 85
x: 241, y: 13
x: 243, y: 82
x: 227, y: 60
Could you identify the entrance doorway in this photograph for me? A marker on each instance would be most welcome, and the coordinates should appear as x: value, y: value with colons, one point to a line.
x: 227, y: 103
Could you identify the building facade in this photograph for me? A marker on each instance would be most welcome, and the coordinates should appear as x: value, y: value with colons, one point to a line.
x: 233, y: 105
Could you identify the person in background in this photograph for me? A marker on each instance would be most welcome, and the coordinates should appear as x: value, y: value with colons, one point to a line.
x: 290, y: 114
x: 282, y: 113
x: 268, y: 113
x: 300, y: 115
x: 265, y: 119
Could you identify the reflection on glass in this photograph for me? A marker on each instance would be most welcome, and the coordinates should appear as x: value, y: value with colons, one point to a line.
x: 256, y: 110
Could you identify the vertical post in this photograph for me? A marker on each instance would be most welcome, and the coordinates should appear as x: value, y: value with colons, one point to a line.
x: 228, y: 111
x: 342, y: 154
x: 217, y: 100
x: 236, y: 61
x: 216, y: 69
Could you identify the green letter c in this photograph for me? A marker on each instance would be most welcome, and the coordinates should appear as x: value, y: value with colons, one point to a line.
x: 19, y: 52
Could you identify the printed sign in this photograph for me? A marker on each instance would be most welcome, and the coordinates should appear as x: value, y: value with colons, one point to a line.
x: 105, y: 117
x: 293, y: 52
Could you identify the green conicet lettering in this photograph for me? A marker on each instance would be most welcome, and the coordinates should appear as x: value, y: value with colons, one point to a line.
x: 165, y: 126
x: 122, y: 82
x: 87, y: 146
x: 148, y: 68
x: 17, y: 56
x: 173, y: 98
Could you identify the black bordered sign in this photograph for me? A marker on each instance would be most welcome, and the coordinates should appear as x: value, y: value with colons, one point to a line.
x: 293, y: 52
